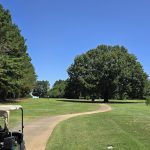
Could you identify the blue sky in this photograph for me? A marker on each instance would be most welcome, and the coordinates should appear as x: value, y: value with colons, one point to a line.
x: 58, y: 30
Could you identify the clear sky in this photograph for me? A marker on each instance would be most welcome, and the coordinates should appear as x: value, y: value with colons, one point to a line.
x: 58, y: 30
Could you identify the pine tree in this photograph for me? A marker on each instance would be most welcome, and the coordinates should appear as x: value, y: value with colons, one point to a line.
x: 17, y: 75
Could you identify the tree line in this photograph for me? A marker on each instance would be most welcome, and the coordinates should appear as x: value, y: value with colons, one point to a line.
x: 17, y: 75
x: 104, y: 72
x: 107, y: 72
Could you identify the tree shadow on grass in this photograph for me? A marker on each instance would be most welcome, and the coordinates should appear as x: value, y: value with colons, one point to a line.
x: 101, y: 101
x: 125, y: 102
x: 8, y: 101
x: 78, y: 101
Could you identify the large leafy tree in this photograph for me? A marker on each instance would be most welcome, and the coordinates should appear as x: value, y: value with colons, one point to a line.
x: 41, y: 89
x: 17, y: 75
x: 72, y: 89
x: 108, y: 71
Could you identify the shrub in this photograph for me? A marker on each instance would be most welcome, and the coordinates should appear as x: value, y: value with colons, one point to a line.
x: 147, y: 101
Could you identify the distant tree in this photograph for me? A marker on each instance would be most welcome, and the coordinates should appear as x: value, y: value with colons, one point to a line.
x: 58, y: 89
x: 147, y: 88
x: 107, y: 71
x: 41, y: 89
x: 17, y: 75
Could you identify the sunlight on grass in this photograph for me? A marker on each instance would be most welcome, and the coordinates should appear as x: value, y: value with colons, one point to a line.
x: 36, y: 108
x: 126, y: 127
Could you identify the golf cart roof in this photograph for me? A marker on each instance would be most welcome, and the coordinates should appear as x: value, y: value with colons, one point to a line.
x: 9, y: 107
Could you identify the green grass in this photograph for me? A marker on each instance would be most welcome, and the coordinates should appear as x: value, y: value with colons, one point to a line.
x: 126, y: 127
x: 35, y: 108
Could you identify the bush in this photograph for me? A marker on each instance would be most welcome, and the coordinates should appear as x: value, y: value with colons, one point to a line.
x: 28, y: 96
x: 147, y: 101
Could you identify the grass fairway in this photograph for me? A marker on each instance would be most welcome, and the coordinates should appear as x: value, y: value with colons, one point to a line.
x: 126, y: 127
x: 35, y: 108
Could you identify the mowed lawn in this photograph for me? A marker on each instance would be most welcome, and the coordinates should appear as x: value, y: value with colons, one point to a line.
x: 126, y: 127
x: 36, y: 108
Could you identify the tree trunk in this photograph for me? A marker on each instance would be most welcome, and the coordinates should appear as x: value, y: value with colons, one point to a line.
x: 106, y: 100
x: 93, y: 99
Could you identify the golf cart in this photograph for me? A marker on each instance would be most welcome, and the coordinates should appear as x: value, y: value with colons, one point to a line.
x: 10, y: 140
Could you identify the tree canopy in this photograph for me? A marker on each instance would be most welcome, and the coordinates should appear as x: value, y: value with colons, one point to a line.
x: 58, y: 89
x: 41, y: 89
x: 17, y: 75
x: 107, y: 72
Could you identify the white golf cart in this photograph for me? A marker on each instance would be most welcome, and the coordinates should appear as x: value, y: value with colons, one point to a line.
x: 10, y: 140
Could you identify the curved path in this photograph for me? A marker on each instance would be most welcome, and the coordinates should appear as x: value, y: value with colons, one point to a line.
x: 38, y: 132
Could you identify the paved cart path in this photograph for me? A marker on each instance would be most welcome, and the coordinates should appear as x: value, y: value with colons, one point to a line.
x: 37, y: 133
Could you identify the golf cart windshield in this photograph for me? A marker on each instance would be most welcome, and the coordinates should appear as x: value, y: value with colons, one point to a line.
x: 15, y: 121
x: 11, y: 139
